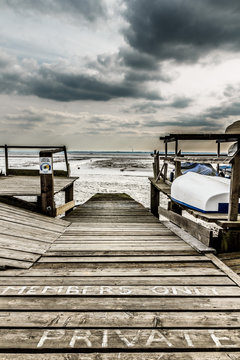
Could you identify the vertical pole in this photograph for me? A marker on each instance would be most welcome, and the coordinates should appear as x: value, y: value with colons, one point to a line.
x: 47, y: 185
x: 68, y: 196
x: 178, y: 171
x: 234, y: 188
x: 6, y: 159
x: 154, y: 200
x: 218, y: 153
x: 66, y: 160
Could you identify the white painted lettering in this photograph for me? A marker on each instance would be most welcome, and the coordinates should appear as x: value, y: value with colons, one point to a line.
x: 60, y: 289
x: 105, y: 339
x: 183, y: 290
x: 85, y: 289
x: 47, y: 288
x: 13, y: 288
x: 125, y: 291
x: 129, y: 343
x: 32, y: 290
x: 50, y: 335
x: 217, y: 340
x: 106, y: 289
x: 157, y: 336
x: 81, y: 335
x: 160, y: 290
x: 72, y: 290
x: 188, y: 339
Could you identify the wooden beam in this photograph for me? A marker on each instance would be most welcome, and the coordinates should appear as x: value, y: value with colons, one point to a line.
x: 47, y: 186
x: 69, y: 196
x: 64, y: 208
x: 154, y: 200
x: 198, y: 231
x: 234, y: 188
x: 6, y: 159
x: 178, y: 171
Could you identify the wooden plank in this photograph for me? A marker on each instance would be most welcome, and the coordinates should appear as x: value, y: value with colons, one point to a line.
x: 231, y: 274
x: 229, y: 224
x: 110, y: 219
x: 15, y: 263
x: 18, y: 255
x: 122, y: 252
x: 119, y: 259
x: 62, y: 209
x: 196, y: 230
x: 119, y: 339
x: 112, y: 280
x: 31, y: 215
x: 189, y: 239
x: 121, y: 291
x: 124, y: 356
x: 108, y: 271
x: 114, y: 319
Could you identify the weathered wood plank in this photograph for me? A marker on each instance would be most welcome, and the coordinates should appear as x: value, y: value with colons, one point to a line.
x: 18, y: 255
x: 15, y: 263
x: 126, y: 291
x: 112, y: 280
x: 119, y: 259
x: 197, y: 230
x: 119, y: 303
x: 124, y: 356
x: 120, y: 319
x: 119, y: 339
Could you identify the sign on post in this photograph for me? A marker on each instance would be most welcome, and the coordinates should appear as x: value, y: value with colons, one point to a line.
x: 46, y: 165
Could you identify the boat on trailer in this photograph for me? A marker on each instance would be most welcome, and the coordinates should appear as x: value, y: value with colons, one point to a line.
x: 207, y: 194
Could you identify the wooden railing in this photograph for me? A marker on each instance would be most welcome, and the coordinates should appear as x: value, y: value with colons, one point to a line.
x: 34, y: 172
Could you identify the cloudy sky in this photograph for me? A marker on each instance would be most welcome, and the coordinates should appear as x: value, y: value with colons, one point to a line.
x: 116, y: 74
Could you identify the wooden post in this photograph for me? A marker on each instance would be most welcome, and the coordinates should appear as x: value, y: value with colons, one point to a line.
x: 154, y: 200
x: 176, y: 147
x: 178, y: 171
x: 234, y: 188
x: 68, y: 196
x: 66, y: 160
x: 6, y: 159
x: 218, y: 153
x: 47, y: 184
x: 156, y: 164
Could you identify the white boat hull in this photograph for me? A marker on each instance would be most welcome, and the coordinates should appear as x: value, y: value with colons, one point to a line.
x: 202, y: 193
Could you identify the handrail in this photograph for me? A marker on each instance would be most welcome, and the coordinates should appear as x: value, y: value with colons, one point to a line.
x: 50, y: 149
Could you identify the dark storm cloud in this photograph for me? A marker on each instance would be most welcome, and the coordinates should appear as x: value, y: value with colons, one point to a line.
x: 48, y: 83
x: 182, y: 30
x: 90, y: 9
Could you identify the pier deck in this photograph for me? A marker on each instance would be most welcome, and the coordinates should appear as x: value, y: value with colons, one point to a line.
x: 30, y: 185
x: 118, y: 284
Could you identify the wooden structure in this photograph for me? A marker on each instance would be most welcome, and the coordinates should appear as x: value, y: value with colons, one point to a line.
x: 119, y: 284
x: 228, y: 238
x: 28, y: 182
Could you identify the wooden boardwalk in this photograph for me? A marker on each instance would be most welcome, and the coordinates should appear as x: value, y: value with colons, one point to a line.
x: 118, y: 284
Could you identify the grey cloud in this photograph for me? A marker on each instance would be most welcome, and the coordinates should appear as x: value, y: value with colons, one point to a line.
x: 154, y: 107
x: 137, y: 60
x: 182, y: 30
x: 48, y: 83
x: 184, y: 121
x: 89, y: 9
x: 180, y: 103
